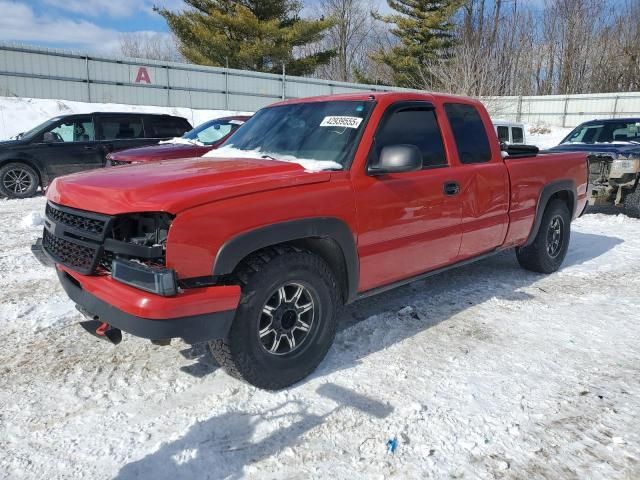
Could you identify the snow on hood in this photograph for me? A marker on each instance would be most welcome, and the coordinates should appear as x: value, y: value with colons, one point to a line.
x: 309, y: 165
x: 181, y: 141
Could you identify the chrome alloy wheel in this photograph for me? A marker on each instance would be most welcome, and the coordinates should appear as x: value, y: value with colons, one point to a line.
x: 17, y: 180
x: 555, y: 236
x: 286, y: 319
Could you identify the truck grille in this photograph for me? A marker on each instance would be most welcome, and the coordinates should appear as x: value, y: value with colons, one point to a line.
x: 78, y: 222
x: 75, y: 238
x: 73, y: 255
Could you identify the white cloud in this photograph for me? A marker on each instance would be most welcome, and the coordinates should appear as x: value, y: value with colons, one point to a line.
x: 112, y: 8
x: 20, y: 23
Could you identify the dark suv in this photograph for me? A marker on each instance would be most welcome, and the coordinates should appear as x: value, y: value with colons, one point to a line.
x: 73, y: 143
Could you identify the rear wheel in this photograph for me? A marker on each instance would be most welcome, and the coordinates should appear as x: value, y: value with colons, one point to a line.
x: 286, y: 320
x: 632, y: 204
x: 547, y: 252
x: 18, y: 180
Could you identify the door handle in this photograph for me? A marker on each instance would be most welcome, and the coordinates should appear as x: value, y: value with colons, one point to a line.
x: 89, y: 147
x: 451, y: 188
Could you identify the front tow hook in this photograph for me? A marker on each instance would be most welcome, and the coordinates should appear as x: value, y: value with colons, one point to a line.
x: 103, y: 330
x: 100, y: 329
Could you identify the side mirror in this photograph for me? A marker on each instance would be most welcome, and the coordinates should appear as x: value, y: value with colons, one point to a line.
x: 397, y: 159
x: 48, y: 137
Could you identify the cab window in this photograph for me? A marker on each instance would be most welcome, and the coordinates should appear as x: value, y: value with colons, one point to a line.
x: 503, y: 134
x: 517, y: 134
x: 469, y: 133
x: 73, y: 130
x: 413, y: 125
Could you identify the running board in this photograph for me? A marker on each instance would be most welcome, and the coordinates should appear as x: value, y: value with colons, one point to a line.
x: 401, y: 283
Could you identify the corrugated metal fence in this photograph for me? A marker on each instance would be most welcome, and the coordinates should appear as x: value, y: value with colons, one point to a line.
x: 57, y: 74
x: 566, y: 110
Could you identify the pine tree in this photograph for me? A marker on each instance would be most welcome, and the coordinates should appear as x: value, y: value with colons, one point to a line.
x: 259, y: 35
x: 424, y: 33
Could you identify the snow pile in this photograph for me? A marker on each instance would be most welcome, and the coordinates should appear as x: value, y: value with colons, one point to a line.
x: 182, y: 141
x: 546, y: 140
x: 21, y: 114
x: 487, y: 371
x: 32, y: 219
x: 309, y: 165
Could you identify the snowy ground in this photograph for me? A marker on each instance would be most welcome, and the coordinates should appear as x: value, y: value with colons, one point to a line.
x: 22, y: 114
x: 484, y: 372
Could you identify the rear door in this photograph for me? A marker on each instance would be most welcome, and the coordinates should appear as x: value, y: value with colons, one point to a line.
x: 484, y: 186
x: 119, y: 132
x: 68, y: 146
x: 408, y: 223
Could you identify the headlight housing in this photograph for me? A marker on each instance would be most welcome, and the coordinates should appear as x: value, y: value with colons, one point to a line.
x: 135, y: 252
x: 625, y: 164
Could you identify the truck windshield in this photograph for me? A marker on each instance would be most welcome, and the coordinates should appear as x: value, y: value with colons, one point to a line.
x: 318, y: 135
x: 605, y: 132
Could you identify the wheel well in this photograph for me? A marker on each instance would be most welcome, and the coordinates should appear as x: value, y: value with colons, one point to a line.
x: 566, y: 197
x: 26, y: 162
x: 327, y: 249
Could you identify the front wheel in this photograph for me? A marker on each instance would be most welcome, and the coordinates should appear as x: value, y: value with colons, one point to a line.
x: 547, y: 252
x: 18, y: 180
x: 286, y: 320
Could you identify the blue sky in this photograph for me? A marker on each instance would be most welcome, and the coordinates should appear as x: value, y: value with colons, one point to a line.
x: 84, y: 25
x: 89, y: 25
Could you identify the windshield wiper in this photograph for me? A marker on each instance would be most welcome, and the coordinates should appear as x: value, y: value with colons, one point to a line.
x: 269, y: 157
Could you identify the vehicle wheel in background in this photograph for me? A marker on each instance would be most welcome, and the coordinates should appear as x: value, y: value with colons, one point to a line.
x: 547, y: 252
x: 18, y: 180
x: 632, y: 204
x: 286, y: 320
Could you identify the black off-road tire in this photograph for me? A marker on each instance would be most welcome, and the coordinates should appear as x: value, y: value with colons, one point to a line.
x: 243, y: 353
x: 632, y: 204
x: 18, y: 180
x: 540, y: 256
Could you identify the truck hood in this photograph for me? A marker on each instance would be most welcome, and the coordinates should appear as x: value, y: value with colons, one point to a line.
x: 600, y: 148
x: 163, y: 151
x: 175, y: 185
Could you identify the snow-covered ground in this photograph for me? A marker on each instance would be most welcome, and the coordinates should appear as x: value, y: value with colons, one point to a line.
x: 22, y: 114
x: 488, y: 371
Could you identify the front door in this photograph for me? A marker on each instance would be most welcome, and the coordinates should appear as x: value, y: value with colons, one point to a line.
x: 69, y: 146
x: 408, y: 223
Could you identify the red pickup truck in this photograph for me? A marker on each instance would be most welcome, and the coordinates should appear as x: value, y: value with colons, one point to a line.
x: 312, y: 204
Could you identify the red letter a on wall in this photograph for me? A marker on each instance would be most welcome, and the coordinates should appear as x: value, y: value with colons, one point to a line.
x: 143, y: 76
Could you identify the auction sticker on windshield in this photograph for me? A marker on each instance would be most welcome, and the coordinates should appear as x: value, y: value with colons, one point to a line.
x: 348, y: 122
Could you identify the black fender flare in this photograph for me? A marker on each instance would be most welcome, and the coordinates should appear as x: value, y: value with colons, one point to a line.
x: 238, y: 247
x: 547, y: 192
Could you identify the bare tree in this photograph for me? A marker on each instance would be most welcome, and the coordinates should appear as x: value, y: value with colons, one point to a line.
x: 355, y: 34
x: 153, y: 46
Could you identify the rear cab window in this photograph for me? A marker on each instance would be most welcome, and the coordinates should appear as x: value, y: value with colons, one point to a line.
x: 469, y: 133
x: 123, y: 127
x: 518, y: 135
x: 412, y: 124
